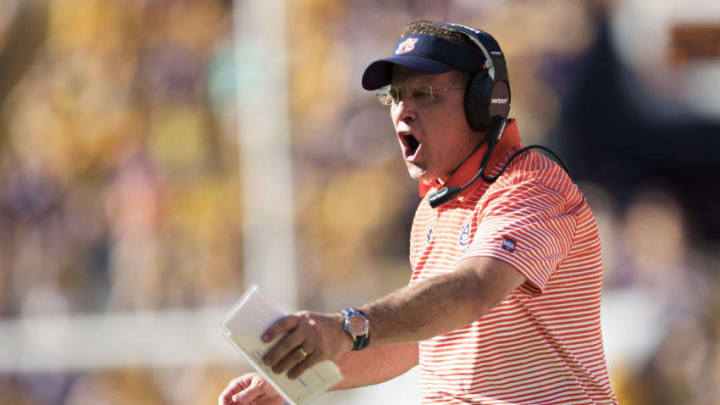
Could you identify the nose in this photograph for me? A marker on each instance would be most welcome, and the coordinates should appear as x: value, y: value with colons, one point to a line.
x: 403, y: 111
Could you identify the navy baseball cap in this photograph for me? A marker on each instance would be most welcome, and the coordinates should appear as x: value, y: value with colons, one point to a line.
x: 422, y: 53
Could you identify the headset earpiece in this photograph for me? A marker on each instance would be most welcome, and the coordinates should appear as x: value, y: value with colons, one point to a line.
x: 487, y: 104
x: 478, y: 90
x: 487, y: 96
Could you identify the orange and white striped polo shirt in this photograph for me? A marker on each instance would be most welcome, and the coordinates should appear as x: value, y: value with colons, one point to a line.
x: 542, y: 344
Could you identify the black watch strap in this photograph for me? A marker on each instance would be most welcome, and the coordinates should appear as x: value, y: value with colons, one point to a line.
x: 361, y: 342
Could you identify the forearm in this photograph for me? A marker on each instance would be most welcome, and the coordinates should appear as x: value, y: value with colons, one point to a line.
x: 426, y: 309
x: 376, y: 365
x: 442, y: 303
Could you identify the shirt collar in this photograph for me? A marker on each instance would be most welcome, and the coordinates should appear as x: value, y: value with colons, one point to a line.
x: 510, y: 138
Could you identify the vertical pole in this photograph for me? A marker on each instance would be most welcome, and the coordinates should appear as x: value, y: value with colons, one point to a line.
x: 264, y: 148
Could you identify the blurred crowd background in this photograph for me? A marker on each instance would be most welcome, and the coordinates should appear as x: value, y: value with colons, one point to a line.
x: 120, y: 179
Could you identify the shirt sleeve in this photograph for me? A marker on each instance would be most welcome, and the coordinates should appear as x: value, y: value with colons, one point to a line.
x: 527, y: 225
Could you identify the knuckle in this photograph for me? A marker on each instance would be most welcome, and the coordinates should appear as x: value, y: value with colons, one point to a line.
x: 277, y: 326
x: 280, y: 324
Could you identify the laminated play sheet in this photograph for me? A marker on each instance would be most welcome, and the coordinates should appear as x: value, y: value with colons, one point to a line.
x: 244, y: 325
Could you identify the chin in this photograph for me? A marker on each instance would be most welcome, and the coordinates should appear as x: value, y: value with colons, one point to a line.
x: 417, y: 173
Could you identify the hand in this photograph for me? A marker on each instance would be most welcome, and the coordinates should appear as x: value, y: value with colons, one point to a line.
x: 311, y: 338
x: 250, y: 389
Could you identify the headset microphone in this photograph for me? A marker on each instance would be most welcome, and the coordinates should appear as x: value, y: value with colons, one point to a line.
x: 446, y: 194
x: 487, y: 104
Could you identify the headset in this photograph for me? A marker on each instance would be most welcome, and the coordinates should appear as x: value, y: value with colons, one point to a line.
x: 487, y: 105
x: 487, y: 96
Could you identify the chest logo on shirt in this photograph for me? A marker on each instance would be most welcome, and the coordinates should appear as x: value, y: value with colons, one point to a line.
x: 464, y: 237
x: 429, y: 234
x: 508, y: 244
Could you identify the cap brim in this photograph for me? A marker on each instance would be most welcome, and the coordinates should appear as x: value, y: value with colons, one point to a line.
x: 379, y: 73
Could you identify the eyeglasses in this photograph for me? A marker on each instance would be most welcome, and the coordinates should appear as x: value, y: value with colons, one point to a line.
x: 392, y: 95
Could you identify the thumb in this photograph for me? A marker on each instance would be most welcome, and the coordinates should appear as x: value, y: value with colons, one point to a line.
x: 251, y: 392
x: 247, y: 396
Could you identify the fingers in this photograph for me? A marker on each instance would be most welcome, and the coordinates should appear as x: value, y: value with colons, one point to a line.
x: 233, y: 387
x: 247, y: 396
x: 302, y: 366
x: 280, y: 326
x: 244, y: 384
x: 296, y: 357
x: 320, y: 336
x: 282, y: 350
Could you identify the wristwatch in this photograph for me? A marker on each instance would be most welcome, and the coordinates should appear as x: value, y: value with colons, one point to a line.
x: 358, y: 327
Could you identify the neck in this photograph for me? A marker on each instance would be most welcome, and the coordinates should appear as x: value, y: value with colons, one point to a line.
x: 441, y: 180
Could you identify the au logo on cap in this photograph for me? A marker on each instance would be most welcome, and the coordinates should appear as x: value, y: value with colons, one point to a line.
x: 406, y: 46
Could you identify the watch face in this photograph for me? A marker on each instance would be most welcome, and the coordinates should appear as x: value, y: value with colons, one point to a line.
x: 357, y: 325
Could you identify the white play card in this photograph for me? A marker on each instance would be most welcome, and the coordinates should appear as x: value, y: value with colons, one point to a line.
x: 244, y: 325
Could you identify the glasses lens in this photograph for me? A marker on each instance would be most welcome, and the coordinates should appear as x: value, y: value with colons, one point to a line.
x: 384, y: 95
x: 422, y: 94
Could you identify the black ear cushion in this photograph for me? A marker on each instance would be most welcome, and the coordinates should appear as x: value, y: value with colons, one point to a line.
x: 477, y: 99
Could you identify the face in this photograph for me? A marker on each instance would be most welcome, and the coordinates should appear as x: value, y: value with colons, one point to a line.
x: 434, y: 137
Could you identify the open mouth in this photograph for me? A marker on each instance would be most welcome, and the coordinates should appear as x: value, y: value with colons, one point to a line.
x: 411, y: 145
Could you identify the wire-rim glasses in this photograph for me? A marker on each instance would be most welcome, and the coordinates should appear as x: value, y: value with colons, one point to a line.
x: 392, y: 95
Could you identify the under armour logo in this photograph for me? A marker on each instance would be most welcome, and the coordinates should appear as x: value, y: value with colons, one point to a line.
x: 508, y: 244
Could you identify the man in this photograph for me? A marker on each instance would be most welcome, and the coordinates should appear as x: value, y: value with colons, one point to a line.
x: 503, y: 305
